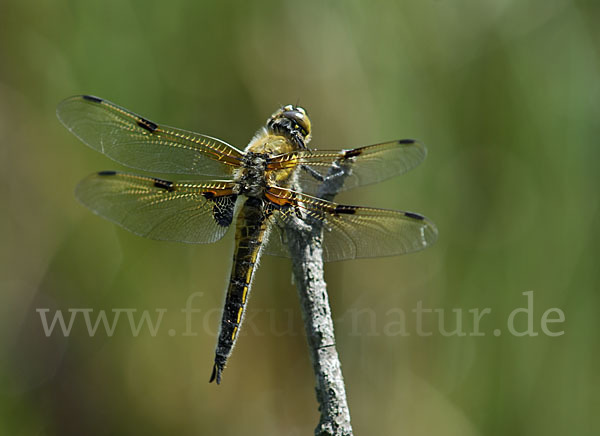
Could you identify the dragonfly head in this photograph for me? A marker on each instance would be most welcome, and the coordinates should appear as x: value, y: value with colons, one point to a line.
x: 291, y: 122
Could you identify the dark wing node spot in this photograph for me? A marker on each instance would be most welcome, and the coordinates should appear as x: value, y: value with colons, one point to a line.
x: 406, y: 141
x: 209, y: 195
x: 92, y: 98
x: 415, y: 216
x: 164, y: 184
x: 349, y: 210
x: 223, y: 208
x: 147, y: 124
x: 107, y: 173
x: 352, y: 153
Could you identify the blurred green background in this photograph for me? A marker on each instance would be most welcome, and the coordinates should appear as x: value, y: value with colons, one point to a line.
x: 505, y: 94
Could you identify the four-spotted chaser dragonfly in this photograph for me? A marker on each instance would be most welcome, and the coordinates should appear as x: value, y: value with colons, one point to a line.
x: 274, y: 180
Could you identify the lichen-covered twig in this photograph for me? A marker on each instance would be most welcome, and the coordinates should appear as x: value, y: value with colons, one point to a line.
x: 305, y: 239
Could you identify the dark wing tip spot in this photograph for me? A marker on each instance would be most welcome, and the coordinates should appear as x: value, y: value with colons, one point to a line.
x: 164, y: 184
x: 342, y: 209
x: 107, y: 173
x: 92, y: 98
x: 415, y: 216
x: 147, y: 124
x: 406, y: 141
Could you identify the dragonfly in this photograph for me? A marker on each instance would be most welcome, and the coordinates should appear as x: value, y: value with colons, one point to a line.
x: 260, y: 191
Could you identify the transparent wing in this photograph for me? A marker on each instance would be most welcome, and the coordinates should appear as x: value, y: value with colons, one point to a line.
x: 349, y: 232
x: 159, y: 209
x: 139, y: 143
x: 356, y: 167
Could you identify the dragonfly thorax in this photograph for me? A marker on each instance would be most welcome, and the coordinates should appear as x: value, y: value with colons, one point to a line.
x: 251, y: 179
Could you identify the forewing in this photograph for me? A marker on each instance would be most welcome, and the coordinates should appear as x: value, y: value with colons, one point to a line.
x: 349, y: 232
x: 159, y: 209
x: 357, y: 167
x: 139, y: 143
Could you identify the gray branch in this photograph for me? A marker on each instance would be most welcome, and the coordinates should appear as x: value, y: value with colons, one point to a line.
x: 305, y: 238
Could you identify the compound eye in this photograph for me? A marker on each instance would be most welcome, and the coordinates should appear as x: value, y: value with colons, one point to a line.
x: 299, y: 118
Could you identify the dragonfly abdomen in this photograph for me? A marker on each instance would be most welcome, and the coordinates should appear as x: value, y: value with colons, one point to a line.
x: 251, y: 230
